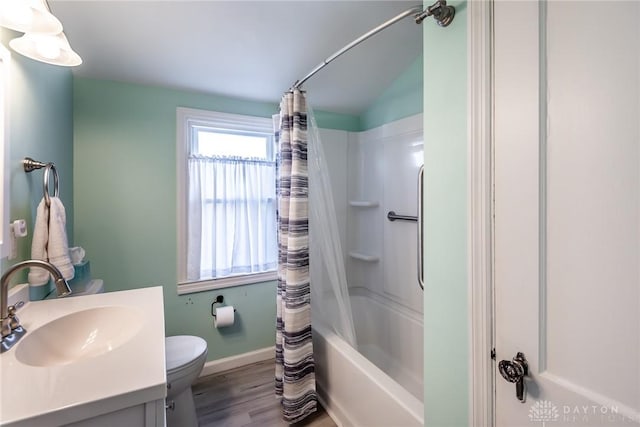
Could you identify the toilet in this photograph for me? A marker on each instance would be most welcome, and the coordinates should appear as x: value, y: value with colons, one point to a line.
x: 185, y: 357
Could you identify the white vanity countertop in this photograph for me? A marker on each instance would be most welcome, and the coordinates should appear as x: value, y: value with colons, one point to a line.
x: 130, y: 374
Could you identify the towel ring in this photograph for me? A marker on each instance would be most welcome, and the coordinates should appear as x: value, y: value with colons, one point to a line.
x: 30, y: 165
x: 45, y: 183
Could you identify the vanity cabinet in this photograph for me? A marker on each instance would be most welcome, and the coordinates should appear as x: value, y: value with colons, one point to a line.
x: 150, y: 414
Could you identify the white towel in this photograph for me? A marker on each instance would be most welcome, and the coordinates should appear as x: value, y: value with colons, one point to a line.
x: 40, y: 276
x: 50, y: 242
x: 58, y: 247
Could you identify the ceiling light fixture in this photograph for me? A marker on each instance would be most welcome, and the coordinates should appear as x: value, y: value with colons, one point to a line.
x: 28, y: 16
x: 52, y: 49
x: 43, y: 40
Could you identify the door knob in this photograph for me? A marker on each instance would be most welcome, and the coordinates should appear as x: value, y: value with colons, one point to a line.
x: 514, y: 371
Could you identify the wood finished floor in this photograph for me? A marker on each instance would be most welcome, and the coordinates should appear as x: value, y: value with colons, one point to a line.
x: 245, y: 397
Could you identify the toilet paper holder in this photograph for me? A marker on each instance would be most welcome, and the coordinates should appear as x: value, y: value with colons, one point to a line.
x: 219, y: 300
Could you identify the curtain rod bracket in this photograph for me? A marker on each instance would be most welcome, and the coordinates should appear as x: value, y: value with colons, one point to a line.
x: 442, y: 13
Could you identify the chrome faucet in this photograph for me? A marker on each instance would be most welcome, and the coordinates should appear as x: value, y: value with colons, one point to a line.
x: 11, y: 330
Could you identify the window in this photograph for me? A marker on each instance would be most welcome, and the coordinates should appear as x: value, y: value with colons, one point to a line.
x: 226, y: 200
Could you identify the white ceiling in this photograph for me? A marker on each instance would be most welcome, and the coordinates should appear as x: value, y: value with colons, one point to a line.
x: 251, y: 50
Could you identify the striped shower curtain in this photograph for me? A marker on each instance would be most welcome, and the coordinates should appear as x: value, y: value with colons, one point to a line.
x: 295, y: 371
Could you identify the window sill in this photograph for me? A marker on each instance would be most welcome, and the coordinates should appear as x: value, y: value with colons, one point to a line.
x: 226, y: 282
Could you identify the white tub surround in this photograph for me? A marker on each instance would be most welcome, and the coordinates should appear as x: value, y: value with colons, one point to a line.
x: 380, y: 167
x: 124, y: 381
x: 382, y: 177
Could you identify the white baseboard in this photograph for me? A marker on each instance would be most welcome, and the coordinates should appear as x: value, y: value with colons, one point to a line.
x: 232, y: 362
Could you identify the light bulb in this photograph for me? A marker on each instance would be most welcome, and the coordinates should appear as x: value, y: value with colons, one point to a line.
x: 48, y: 47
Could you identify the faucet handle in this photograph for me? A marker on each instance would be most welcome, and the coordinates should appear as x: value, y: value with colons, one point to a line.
x: 13, y: 308
x: 14, y: 322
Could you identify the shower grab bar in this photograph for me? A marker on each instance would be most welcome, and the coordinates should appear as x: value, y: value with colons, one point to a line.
x: 392, y: 216
x: 420, y: 231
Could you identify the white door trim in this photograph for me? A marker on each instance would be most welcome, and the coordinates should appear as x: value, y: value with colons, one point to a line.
x: 480, y: 201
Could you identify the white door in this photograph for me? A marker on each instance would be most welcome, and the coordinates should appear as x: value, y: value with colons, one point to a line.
x: 567, y: 211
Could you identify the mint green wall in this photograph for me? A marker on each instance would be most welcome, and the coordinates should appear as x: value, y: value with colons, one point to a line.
x: 41, y: 127
x: 403, y: 98
x: 446, y: 384
x: 328, y: 120
x: 125, y: 204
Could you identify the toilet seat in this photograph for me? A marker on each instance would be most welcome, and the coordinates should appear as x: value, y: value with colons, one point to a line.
x: 181, y: 351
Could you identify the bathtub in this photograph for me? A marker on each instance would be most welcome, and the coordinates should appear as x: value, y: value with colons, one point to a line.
x: 353, y: 389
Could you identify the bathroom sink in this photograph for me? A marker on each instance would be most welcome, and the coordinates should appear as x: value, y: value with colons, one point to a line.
x: 84, y: 357
x: 79, y: 336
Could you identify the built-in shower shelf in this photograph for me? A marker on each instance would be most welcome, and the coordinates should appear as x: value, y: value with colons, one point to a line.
x: 364, y: 257
x: 363, y: 203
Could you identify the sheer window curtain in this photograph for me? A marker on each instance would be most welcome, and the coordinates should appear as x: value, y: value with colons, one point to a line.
x: 231, y: 217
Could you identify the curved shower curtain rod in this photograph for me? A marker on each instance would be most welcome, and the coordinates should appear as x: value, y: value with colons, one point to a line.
x: 442, y: 13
